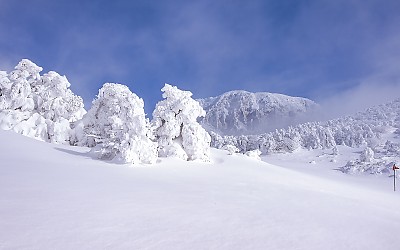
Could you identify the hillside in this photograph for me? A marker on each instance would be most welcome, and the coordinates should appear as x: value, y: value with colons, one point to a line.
x: 243, y: 112
x: 377, y: 128
x: 59, y: 197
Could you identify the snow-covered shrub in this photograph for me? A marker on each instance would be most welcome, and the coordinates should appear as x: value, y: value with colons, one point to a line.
x: 231, y: 149
x: 176, y: 128
x: 367, y: 155
x: 392, y: 148
x: 116, y: 127
x: 358, y: 167
x: 38, y: 106
x: 254, y: 154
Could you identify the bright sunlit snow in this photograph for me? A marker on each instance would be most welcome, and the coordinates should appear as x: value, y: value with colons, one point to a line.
x: 59, y: 197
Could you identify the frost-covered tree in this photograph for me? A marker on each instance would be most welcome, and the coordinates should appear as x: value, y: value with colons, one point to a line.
x: 25, y: 75
x: 116, y: 127
x: 254, y: 154
x: 58, y: 105
x: 231, y: 149
x: 38, y: 106
x: 349, y: 131
x: 176, y: 128
x: 5, y: 88
x: 367, y: 155
x: 55, y: 101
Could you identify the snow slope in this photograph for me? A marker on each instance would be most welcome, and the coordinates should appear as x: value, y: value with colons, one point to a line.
x: 243, y: 112
x: 58, y: 197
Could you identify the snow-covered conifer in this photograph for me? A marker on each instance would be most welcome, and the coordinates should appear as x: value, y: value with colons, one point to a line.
x: 367, y: 155
x: 5, y: 88
x: 38, y: 106
x: 117, y: 126
x: 56, y: 101
x: 25, y: 75
x: 176, y: 128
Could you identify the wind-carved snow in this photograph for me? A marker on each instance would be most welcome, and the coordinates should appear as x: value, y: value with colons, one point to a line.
x: 242, y: 112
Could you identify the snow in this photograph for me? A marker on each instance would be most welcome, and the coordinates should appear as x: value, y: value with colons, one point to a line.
x: 59, y: 197
x: 377, y: 129
x: 116, y: 125
x: 241, y: 112
x: 38, y: 106
x: 176, y: 128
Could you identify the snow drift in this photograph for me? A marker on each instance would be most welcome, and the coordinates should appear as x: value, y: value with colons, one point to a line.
x: 59, y: 197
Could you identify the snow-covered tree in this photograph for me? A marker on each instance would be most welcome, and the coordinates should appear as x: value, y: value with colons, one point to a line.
x: 176, y: 128
x: 116, y: 127
x: 25, y: 75
x: 56, y: 101
x: 367, y: 155
x: 360, y: 130
x: 254, y: 154
x: 231, y: 149
x: 5, y: 88
x: 38, y: 106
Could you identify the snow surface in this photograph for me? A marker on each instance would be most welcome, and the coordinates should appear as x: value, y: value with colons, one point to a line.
x: 59, y: 197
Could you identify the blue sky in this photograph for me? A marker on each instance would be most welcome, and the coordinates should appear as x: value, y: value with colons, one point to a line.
x: 317, y: 49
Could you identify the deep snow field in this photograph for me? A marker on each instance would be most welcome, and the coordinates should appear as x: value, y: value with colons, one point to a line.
x: 58, y: 197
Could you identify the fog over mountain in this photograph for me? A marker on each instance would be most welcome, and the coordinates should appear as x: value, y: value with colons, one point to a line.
x: 242, y: 112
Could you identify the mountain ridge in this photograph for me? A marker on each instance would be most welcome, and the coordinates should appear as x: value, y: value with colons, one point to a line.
x: 243, y: 112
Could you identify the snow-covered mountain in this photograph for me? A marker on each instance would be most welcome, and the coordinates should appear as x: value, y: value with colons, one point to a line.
x: 56, y: 196
x: 243, y: 112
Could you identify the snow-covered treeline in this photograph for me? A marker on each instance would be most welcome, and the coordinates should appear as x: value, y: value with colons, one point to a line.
x: 364, y: 128
x: 43, y: 107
